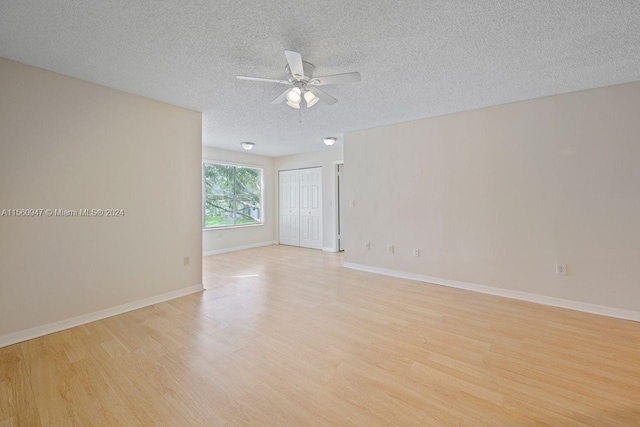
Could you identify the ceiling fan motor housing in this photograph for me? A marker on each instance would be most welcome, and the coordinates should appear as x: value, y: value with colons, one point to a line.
x: 308, y: 73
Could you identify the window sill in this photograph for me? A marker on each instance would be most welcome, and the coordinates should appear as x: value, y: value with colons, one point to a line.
x: 227, y: 227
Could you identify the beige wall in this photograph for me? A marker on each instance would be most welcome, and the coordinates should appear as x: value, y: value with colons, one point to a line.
x: 325, y: 159
x: 497, y: 196
x: 227, y: 238
x: 70, y: 144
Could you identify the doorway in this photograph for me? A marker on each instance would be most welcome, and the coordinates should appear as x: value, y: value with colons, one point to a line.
x: 340, y: 208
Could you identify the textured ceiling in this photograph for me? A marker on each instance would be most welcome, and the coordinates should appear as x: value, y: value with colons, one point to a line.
x: 417, y: 58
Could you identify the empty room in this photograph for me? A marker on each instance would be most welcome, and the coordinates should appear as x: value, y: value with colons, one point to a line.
x: 394, y: 213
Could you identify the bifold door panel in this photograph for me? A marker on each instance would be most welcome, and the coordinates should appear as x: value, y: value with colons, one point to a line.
x: 290, y: 208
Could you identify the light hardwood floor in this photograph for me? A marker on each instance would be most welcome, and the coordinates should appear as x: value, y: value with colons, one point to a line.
x: 287, y: 337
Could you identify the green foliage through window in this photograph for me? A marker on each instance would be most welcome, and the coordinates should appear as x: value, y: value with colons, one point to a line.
x: 232, y: 195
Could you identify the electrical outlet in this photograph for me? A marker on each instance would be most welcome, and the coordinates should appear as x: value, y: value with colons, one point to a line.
x: 186, y: 261
x: 416, y: 252
x: 561, y: 269
x: 367, y: 246
x: 390, y: 249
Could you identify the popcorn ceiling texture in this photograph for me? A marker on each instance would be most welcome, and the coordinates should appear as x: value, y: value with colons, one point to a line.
x: 417, y: 58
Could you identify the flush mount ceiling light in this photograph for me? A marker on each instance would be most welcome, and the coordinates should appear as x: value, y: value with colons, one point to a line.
x: 329, y: 140
x: 305, y: 90
x: 247, y: 145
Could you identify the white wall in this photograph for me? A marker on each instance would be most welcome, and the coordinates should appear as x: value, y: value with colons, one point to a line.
x: 217, y: 240
x: 497, y: 196
x: 70, y: 144
x: 325, y: 159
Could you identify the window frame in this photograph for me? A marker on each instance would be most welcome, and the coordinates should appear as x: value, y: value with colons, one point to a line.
x: 204, y: 194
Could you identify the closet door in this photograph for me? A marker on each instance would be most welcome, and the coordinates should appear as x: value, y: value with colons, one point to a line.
x: 311, y: 208
x: 289, y: 191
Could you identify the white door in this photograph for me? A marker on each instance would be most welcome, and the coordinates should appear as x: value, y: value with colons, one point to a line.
x: 289, y: 190
x: 311, y: 208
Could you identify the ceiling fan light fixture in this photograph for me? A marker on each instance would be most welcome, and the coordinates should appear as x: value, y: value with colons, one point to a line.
x: 302, y: 83
x: 294, y: 96
x: 247, y: 145
x: 310, y: 98
x: 293, y: 105
x: 329, y: 140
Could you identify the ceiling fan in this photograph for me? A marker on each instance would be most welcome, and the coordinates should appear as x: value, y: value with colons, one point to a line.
x: 304, y: 91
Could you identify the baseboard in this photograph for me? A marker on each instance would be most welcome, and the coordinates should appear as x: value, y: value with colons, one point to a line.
x: 38, y: 331
x: 507, y: 293
x: 329, y: 250
x: 239, y: 248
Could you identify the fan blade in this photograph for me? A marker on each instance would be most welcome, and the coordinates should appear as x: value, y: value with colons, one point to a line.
x: 294, y: 59
x: 260, y: 79
x: 281, y: 97
x: 324, y: 96
x: 335, y: 79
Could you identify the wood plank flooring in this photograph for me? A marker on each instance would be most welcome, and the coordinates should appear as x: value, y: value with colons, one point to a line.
x: 287, y: 337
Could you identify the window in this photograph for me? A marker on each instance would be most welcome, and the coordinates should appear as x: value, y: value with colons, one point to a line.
x: 232, y: 195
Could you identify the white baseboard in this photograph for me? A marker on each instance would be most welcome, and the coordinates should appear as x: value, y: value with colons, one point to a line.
x: 239, y: 248
x: 507, y: 293
x: 329, y: 250
x: 38, y: 331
